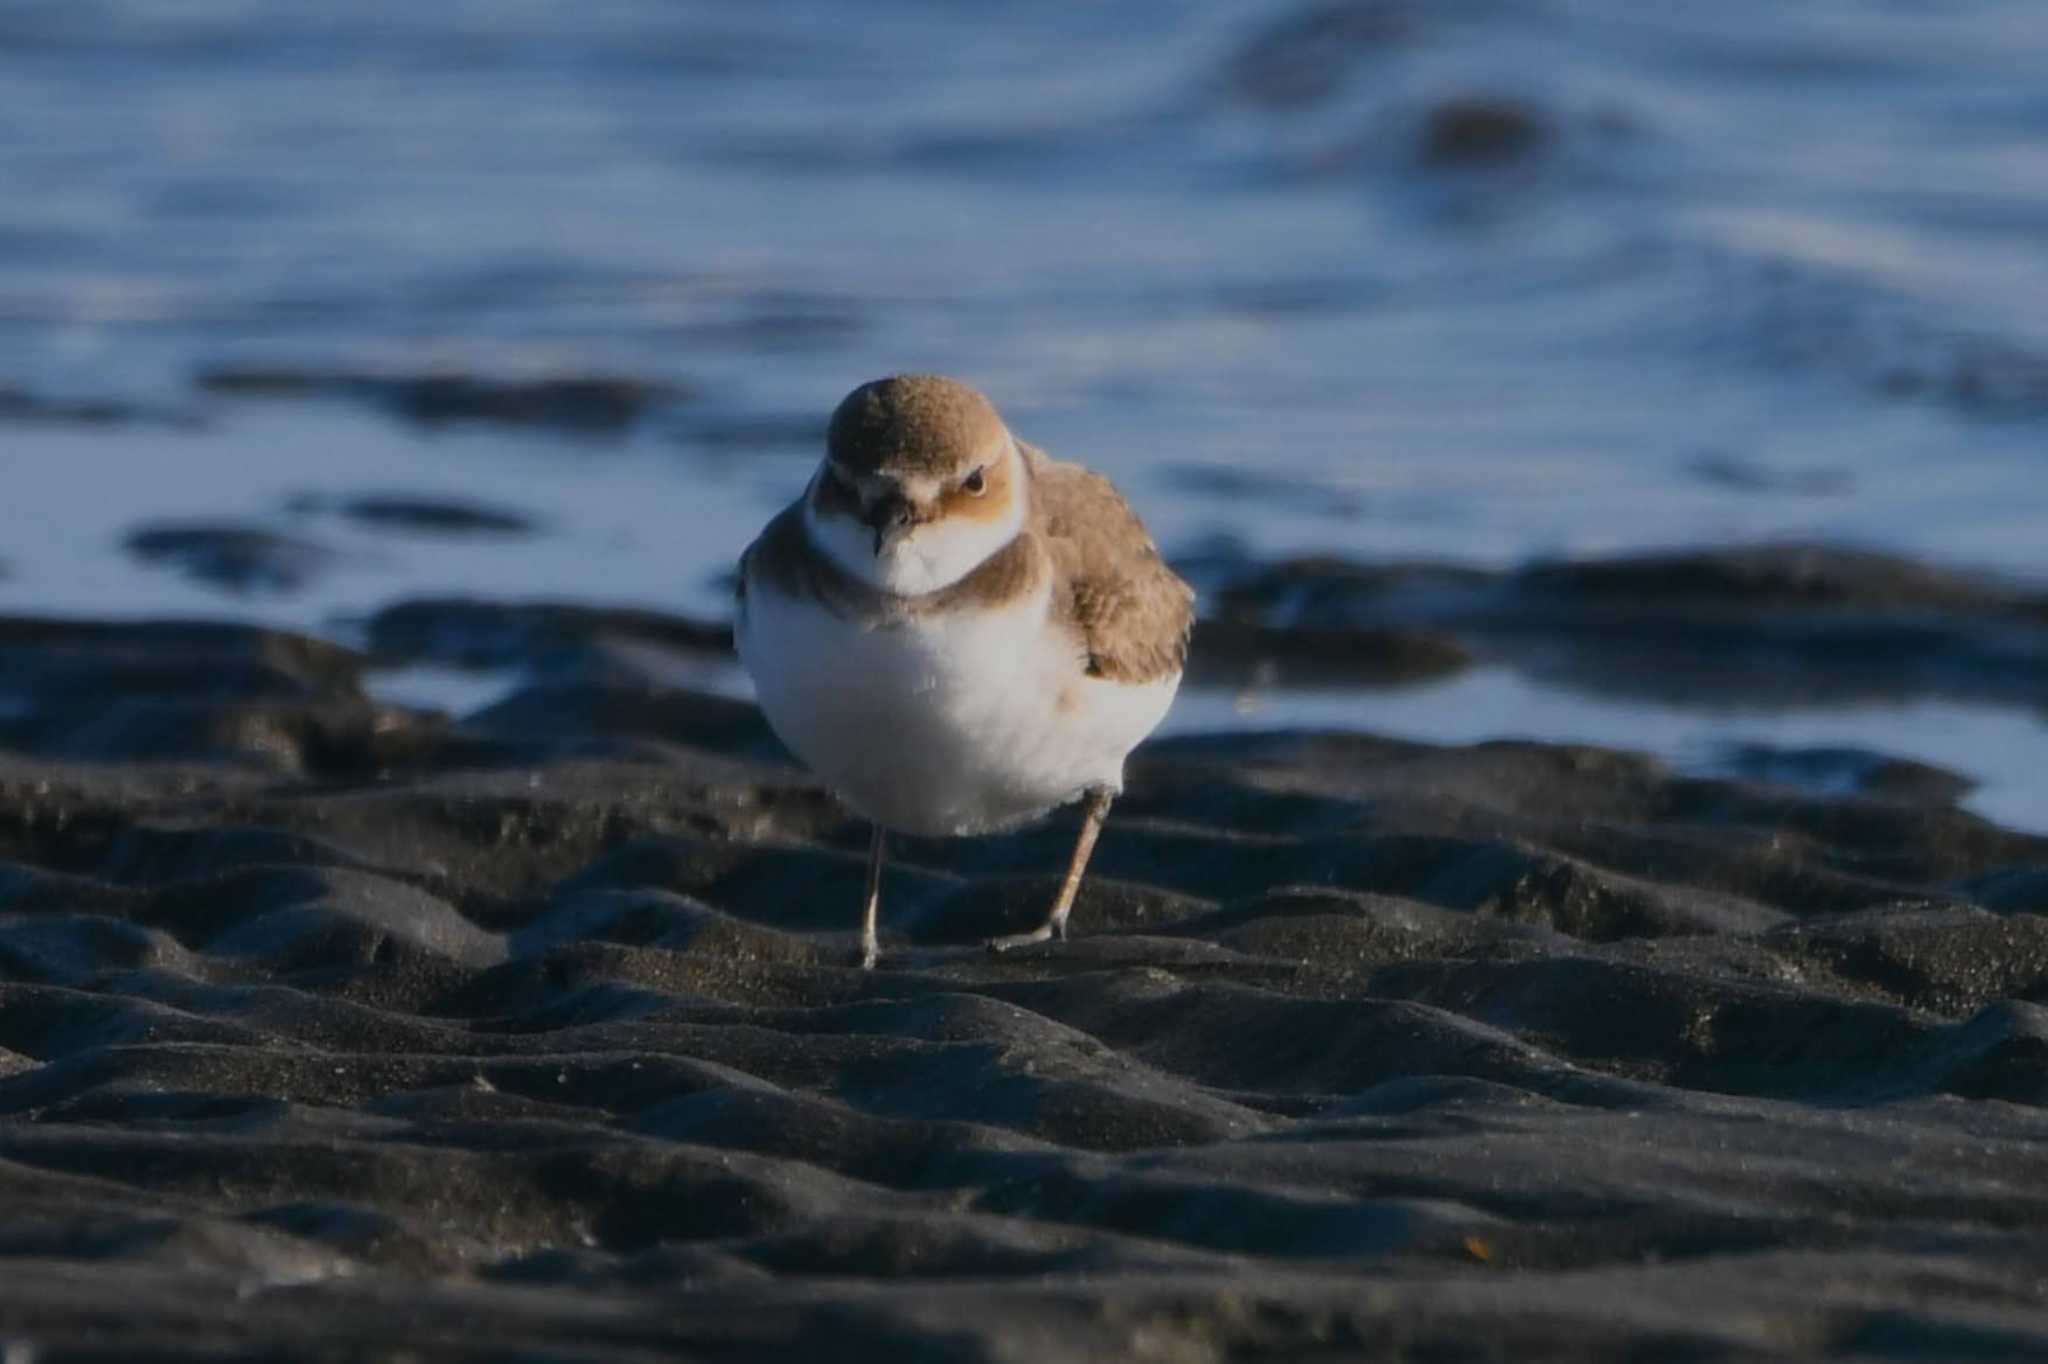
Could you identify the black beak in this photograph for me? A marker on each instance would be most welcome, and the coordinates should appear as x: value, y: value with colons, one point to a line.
x: 890, y: 513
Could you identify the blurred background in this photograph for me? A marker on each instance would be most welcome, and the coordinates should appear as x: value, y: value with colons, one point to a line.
x: 309, y: 308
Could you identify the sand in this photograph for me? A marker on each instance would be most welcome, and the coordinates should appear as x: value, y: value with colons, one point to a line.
x: 332, y: 1030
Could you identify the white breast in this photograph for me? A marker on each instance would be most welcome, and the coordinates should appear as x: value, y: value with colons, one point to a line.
x: 957, y: 722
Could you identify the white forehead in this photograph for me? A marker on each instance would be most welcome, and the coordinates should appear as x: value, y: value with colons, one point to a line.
x: 924, y: 487
x: 917, y: 487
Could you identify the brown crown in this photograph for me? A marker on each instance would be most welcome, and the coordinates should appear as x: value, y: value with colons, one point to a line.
x: 923, y: 424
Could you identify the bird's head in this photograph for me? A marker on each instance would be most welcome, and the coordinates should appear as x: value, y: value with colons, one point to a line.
x: 921, y: 482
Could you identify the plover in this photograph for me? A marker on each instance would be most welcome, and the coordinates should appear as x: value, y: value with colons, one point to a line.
x: 956, y: 632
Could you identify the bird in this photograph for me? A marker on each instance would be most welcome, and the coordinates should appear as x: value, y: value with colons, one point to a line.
x: 956, y: 632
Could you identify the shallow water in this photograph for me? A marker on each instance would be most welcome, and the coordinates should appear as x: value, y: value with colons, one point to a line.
x: 1476, y: 282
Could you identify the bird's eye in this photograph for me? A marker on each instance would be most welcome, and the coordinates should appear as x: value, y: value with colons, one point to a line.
x: 975, y: 484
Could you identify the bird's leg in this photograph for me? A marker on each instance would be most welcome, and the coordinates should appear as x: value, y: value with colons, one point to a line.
x: 870, y: 946
x: 1055, y: 925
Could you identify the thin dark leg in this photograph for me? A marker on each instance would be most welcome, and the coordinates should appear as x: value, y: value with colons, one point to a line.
x: 1055, y: 925
x: 870, y: 946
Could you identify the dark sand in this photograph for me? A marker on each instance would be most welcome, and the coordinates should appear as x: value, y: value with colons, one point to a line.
x: 335, y: 1031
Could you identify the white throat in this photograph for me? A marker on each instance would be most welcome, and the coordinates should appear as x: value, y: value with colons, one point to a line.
x: 927, y: 558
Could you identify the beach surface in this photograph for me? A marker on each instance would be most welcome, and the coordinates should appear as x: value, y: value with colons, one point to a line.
x: 332, y: 1029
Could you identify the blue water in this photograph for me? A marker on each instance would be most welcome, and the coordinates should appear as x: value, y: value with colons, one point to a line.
x: 1759, y: 271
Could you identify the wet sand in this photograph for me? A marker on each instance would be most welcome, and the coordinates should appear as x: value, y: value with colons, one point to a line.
x: 335, y: 1030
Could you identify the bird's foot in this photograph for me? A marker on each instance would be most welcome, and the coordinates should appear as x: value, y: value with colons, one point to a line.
x: 870, y: 953
x: 1045, y: 932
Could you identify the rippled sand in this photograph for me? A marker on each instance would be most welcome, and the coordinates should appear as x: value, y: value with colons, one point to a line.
x: 334, y: 1030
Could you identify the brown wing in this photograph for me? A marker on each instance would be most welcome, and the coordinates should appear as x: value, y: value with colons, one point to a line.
x: 1131, y: 612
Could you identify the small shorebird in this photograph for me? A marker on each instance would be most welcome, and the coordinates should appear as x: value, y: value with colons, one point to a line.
x: 956, y: 632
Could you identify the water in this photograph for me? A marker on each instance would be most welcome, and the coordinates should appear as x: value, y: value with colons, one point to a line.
x: 1755, y: 271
